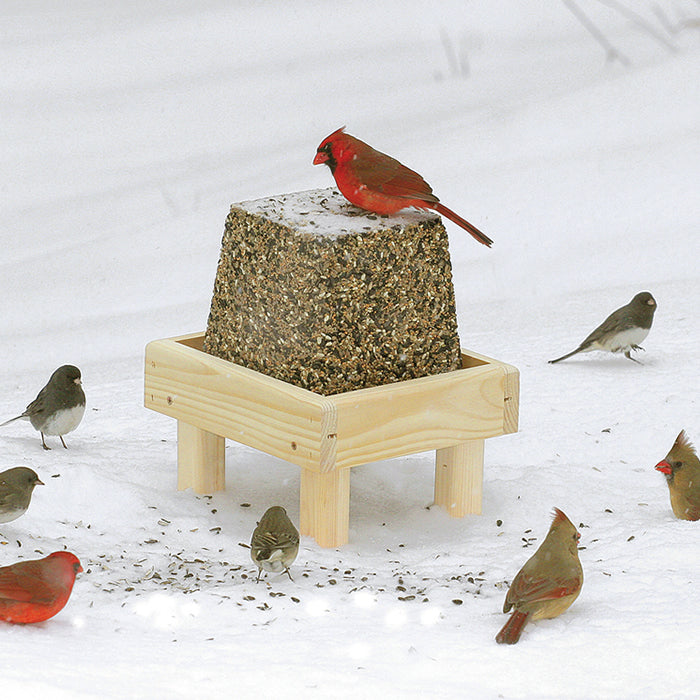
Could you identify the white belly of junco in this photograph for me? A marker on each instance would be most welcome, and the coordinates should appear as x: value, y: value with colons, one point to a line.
x: 623, y: 340
x: 64, y: 421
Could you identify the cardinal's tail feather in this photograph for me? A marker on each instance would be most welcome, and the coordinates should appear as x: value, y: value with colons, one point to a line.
x: 512, y: 630
x: 457, y: 219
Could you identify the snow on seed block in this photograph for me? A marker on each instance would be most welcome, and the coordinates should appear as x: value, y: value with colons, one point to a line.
x: 318, y: 293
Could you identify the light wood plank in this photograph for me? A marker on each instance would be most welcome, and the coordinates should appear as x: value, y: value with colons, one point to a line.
x: 234, y: 402
x: 201, y: 459
x: 324, y: 511
x: 511, y: 390
x: 459, y: 476
x: 420, y: 414
x: 329, y: 437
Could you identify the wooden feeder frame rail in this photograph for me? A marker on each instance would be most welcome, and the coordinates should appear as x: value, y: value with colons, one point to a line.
x: 213, y: 399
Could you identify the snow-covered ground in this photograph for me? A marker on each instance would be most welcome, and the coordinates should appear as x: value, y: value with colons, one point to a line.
x: 129, y: 128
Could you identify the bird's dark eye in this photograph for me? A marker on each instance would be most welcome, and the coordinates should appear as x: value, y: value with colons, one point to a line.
x: 676, y: 465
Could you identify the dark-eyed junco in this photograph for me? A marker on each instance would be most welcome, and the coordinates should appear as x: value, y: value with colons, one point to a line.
x: 681, y: 467
x: 16, y: 487
x: 623, y: 330
x: 275, y: 542
x: 59, y: 406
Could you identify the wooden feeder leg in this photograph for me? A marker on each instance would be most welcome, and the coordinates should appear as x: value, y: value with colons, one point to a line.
x: 325, y: 506
x: 201, y: 459
x: 459, y: 477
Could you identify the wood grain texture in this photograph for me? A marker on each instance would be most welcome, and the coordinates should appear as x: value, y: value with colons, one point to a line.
x: 324, y: 512
x: 511, y: 399
x: 201, y: 459
x: 421, y: 414
x: 334, y: 432
x: 234, y: 402
x: 459, y: 477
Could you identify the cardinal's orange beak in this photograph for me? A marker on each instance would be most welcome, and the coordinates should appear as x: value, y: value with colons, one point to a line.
x: 663, y: 466
x: 321, y: 157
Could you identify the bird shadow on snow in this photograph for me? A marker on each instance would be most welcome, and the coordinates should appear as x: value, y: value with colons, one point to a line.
x: 610, y: 362
x: 32, y: 444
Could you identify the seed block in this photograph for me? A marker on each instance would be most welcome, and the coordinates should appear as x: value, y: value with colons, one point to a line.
x: 315, y: 292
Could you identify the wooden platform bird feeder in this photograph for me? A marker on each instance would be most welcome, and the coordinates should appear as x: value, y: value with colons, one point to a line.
x: 280, y: 392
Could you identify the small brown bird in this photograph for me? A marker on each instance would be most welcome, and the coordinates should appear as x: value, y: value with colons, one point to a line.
x: 622, y: 331
x: 275, y: 542
x: 16, y: 487
x: 548, y: 583
x: 681, y: 467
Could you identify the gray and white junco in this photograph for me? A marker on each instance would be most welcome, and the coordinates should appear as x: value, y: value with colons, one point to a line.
x: 58, y: 407
x: 623, y: 330
x: 275, y: 542
x: 16, y: 487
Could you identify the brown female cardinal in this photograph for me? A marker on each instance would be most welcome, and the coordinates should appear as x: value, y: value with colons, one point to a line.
x: 548, y: 583
x: 681, y: 467
x: 35, y: 590
x: 378, y: 183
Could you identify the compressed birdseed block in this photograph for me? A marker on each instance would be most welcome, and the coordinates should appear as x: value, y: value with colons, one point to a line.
x: 315, y: 292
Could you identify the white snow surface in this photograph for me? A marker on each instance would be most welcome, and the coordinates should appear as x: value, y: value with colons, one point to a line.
x: 130, y: 128
x: 325, y: 213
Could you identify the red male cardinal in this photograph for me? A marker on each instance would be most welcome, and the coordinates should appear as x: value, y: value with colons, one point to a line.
x: 377, y: 182
x: 34, y: 591
x: 681, y: 467
x: 549, y: 581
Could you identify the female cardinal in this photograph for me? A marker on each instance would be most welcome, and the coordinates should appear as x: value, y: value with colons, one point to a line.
x: 548, y: 583
x: 34, y: 591
x: 377, y: 182
x: 681, y: 467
